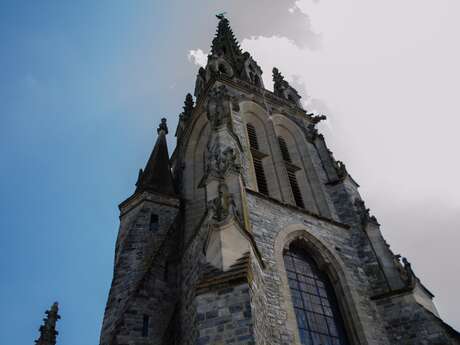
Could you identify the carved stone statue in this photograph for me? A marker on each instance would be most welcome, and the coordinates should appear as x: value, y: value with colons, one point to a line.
x: 218, y: 107
x: 341, y: 169
x: 221, y: 159
x: 409, y: 273
x: 220, y: 206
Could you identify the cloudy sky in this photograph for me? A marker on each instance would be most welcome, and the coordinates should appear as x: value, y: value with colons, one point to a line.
x: 84, y: 86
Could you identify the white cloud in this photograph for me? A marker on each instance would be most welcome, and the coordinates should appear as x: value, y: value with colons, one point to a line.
x: 198, y: 57
x: 388, y: 87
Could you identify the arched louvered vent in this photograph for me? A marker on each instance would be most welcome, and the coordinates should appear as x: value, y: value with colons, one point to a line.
x: 256, y: 158
x: 295, y: 188
x: 252, y: 137
x: 291, y: 172
x: 260, y: 176
x: 284, y: 149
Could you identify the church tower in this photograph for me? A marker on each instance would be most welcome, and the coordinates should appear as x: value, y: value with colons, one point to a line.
x: 253, y: 233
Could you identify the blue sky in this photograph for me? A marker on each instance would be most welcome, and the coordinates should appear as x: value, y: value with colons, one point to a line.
x: 83, y: 88
x: 73, y: 133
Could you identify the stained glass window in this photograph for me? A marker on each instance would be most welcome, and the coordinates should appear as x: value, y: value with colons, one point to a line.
x: 315, y: 305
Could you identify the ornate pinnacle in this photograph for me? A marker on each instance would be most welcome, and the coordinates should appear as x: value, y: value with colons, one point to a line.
x: 282, y: 88
x: 48, y: 329
x: 188, y: 107
x: 277, y: 76
x: 162, y: 127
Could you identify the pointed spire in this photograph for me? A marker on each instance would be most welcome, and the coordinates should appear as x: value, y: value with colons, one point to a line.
x: 157, y: 175
x: 225, y: 42
x: 48, y: 331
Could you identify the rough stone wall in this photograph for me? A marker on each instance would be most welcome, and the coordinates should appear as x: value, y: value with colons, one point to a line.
x: 262, y: 329
x: 224, y: 316
x: 141, y: 257
x: 407, y: 322
x: 191, y: 269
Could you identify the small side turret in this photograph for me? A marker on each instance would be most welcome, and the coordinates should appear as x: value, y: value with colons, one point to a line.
x: 157, y: 175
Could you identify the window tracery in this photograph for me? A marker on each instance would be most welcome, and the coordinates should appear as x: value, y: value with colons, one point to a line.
x: 316, y: 309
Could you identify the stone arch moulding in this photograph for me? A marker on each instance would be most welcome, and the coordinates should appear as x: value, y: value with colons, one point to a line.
x: 254, y: 113
x: 333, y: 266
x: 315, y: 185
x: 195, y: 148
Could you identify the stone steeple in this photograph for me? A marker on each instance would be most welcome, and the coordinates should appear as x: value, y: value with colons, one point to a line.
x: 157, y: 175
x: 262, y: 237
x: 228, y: 60
x: 48, y: 331
x: 225, y: 42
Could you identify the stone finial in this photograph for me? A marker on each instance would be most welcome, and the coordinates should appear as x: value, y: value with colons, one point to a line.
x: 163, y: 126
x: 48, y: 331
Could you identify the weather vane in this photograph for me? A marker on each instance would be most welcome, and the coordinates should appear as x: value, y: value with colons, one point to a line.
x: 221, y: 15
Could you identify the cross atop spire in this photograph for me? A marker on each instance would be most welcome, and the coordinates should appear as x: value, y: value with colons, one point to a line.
x: 221, y: 15
x: 48, y: 329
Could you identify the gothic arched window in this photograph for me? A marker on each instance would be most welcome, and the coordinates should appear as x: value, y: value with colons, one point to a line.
x: 315, y: 305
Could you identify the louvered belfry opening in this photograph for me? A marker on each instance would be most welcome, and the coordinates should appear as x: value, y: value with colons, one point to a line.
x: 252, y: 137
x: 291, y: 172
x: 257, y: 160
x: 295, y: 188
x: 260, y: 176
x: 284, y: 149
